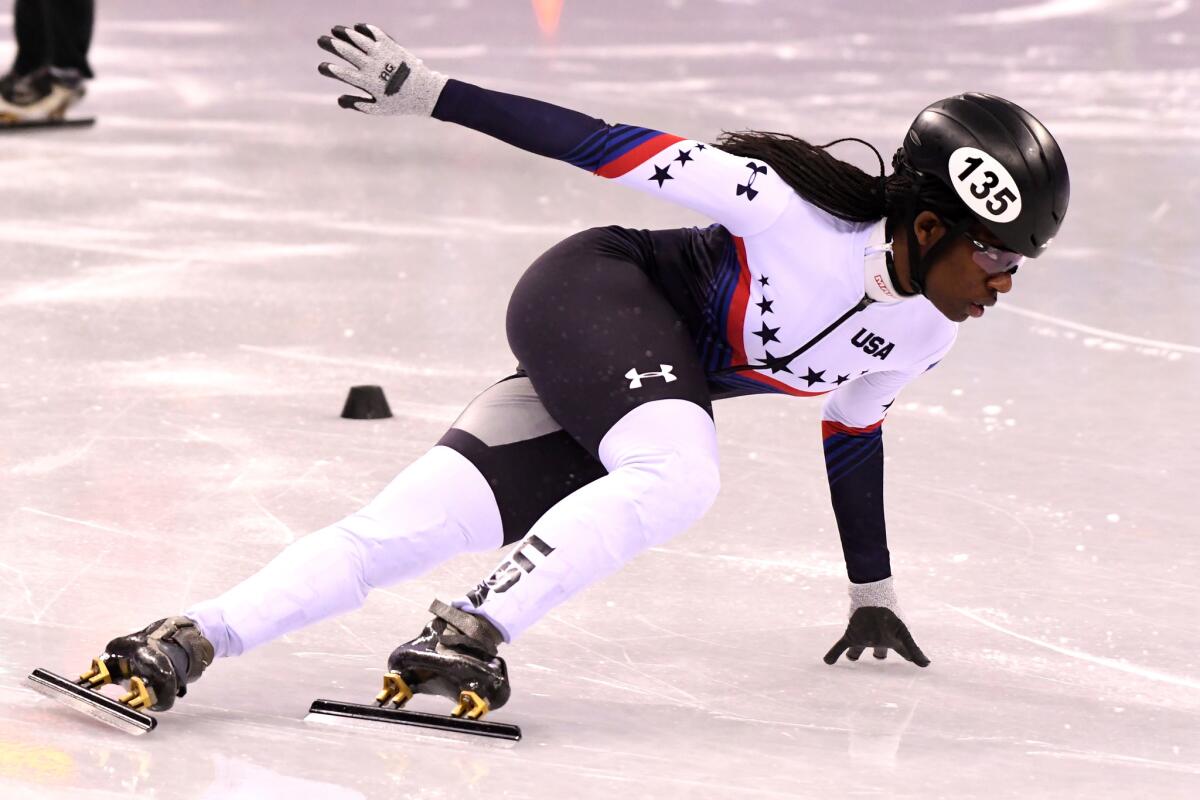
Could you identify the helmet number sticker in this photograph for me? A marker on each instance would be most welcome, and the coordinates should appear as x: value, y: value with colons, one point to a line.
x: 984, y: 185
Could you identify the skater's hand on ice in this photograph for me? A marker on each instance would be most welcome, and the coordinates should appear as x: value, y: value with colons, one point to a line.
x: 878, y: 628
x: 394, y: 80
x: 875, y: 623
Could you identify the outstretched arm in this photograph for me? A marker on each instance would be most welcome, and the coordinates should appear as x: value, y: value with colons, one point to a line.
x: 744, y: 195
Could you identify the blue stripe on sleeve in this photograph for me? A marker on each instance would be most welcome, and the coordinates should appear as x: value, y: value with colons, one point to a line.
x: 538, y: 127
x: 854, y: 463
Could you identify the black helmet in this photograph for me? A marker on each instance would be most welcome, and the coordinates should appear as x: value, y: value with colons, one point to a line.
x: 1000, y: 161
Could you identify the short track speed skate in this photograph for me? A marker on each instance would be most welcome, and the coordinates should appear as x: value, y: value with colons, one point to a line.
x: 41, y: 99
x: 455, y: 657
x: 155, y: 665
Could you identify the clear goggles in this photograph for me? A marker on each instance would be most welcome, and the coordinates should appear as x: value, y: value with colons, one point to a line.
x: 994, y: 260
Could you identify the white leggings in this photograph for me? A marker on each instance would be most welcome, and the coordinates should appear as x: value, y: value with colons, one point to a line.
x: 663, y: 476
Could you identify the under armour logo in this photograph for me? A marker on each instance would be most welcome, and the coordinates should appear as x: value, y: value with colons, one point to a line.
x: 746, y: 189
x: 635, y: 378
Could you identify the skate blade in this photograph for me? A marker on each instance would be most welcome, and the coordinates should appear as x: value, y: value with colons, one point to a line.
x: 439, y: 722
x: 74, y: 122
x: 97, y: 706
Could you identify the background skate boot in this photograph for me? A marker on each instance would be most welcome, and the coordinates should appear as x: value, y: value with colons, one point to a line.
x: 16, y: 88
x: 39, y: 98
x: 455, y: 656
x: 155, y: 664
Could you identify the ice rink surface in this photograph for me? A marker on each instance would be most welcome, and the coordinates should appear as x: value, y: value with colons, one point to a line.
x: 188, y: 290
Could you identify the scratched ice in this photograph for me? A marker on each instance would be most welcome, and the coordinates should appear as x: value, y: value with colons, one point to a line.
x: 188, y: 290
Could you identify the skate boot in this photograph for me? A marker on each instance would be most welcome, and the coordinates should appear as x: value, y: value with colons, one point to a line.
x: 41, y: 97
x: 455, y: 656
x: 14, y: 86
x: 156, y: 664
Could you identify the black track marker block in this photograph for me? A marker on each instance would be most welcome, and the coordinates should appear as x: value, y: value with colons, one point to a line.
x: 366, y: 402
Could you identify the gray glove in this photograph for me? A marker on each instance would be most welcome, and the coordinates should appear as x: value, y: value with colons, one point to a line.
x: 394, y: 80
x: 875, y: 622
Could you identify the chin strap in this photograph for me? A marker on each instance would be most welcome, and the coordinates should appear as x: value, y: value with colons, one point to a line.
x: 920, y: 263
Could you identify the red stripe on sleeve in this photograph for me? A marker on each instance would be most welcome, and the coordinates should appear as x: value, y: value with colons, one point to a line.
x: 638, y: 155
x: 829, y: 428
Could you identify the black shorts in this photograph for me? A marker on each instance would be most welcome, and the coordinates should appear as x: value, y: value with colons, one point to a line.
x: 595, y: 339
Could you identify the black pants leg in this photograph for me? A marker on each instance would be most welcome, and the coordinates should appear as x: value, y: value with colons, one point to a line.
x: 53, y: 33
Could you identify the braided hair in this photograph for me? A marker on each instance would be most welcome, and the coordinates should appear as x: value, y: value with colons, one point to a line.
x: 842, y: 189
